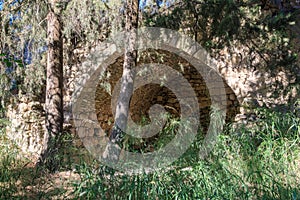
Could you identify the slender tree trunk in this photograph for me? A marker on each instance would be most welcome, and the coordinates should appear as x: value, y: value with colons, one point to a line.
x: 113, y: 149
x: 54, y: 94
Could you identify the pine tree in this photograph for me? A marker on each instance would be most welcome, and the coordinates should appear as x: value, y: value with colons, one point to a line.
x: 113, y: 149
x: 54, y: 86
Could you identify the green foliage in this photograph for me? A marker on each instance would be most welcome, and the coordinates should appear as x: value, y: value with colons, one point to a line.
x: 162, y: 138
x: 247, y: 163
x: 58, y: 155
x: 11, y: 70
x: 256, y: 162
x: 91, y: 21
x: 25, y: 26
x: 24, y: 33
x: 223, y: 26
x: 8, y: 177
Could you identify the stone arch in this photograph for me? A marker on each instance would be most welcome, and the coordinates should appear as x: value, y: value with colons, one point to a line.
x: 148, y: 95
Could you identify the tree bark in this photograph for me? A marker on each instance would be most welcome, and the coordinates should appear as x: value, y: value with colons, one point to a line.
x: 113, y: 149
x: 54, y: 86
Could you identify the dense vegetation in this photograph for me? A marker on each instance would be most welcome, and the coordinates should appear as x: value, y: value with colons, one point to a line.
x: 261, y: 162
x: 257, y: 160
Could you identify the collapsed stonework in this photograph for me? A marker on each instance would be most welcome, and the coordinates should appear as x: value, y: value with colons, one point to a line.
x: 27, y: 126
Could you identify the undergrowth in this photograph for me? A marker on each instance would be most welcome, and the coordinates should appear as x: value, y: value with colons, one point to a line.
x: 260, y: 161
x: 257, y: 161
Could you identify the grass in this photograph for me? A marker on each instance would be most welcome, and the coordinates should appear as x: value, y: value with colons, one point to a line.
x: 257, y: 161
x: 261, y: 162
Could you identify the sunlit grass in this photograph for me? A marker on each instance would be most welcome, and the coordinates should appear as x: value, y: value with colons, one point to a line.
x: 260, y: 161
x: 8, y: 177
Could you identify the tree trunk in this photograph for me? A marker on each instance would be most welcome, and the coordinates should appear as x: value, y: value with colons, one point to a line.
x: 54, y: 93
x: 113, y: 149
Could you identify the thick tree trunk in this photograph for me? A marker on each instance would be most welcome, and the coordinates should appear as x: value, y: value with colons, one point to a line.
x: 113, y: 149
x: 54, y: 94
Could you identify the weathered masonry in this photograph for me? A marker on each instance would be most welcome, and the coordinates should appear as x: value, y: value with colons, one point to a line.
x: 244, y: 88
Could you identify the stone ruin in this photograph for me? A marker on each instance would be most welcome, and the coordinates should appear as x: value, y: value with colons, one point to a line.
x: 245, y: 88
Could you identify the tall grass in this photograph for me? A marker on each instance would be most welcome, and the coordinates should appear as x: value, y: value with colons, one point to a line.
x: 257, y: 162
x: 8, y: 177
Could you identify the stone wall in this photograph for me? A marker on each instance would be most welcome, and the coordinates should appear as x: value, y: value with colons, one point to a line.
x: 27, y: 126
x: 245, y: 87
x: 255, y: 86
x: 151, y: 94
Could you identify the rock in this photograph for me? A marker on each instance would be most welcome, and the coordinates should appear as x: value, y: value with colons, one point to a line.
x: 232, y: 97
x: 23, y: 107
x: 35, y: 105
